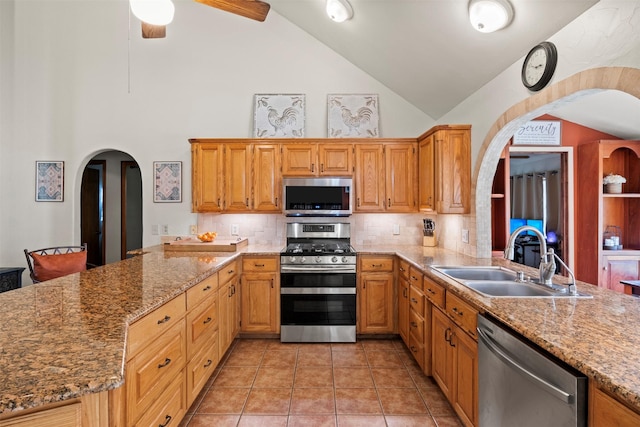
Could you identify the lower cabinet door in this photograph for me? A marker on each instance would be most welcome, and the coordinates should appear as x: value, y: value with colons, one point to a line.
x: 170, y: 407
x: 201, y: 367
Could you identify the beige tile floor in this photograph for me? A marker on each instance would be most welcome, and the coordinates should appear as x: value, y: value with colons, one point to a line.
x: 370, y: 383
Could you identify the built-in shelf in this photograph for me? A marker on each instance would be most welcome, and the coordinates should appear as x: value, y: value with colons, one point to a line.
x: 497, y: 196
x: 620, y: 195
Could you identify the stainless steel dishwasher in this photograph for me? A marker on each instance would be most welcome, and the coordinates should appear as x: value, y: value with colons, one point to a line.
x: 520, y: 385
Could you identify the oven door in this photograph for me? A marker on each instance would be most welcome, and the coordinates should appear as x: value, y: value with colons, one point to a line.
x: 318, y: 306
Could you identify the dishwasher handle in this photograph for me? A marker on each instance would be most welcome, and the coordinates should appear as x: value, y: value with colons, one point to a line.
x: 508, y: 359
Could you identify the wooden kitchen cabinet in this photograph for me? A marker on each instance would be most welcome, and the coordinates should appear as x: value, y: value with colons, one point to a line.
x: 403, y: 300
x: 317, y: 159
x: 207, y: 177
x: 417, y: 327
x: 385, y: 178
x: 237, y: 172
x: 598, y: 210
x: 267, y: 181
x: 375, y: 295
x: 454, y: 365
x: 446, y: 182
x: 229, y: 305
x: 605, y: 411
x: 260, y: 294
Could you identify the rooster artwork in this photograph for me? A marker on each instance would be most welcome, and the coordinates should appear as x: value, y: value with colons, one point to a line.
x: 353, y: 116
x: 279, y: 116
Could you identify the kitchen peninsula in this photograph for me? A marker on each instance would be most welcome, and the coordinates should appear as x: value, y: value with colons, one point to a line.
x: 65, y: 339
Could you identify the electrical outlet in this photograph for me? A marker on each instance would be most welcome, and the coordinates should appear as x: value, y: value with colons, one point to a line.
x: 165, y: 229
x: 193, y: 229
x: 396, y: 229
x: 154, y: 229
x: 235, y: 230
x: 465, y: 236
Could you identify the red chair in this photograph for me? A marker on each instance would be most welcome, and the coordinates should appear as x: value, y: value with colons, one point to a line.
x: 50, y: 263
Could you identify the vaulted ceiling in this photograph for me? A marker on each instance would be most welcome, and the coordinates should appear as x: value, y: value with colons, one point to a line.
x: 427, y: 52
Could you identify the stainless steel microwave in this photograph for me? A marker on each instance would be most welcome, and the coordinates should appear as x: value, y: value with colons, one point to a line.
x: 317, y: 196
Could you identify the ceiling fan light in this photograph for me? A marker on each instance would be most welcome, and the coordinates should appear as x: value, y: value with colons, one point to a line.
x: 154, y: 12
x: 488, y: 16
x: 339, y: 10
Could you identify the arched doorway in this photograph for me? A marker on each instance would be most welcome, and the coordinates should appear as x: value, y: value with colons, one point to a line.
x: 581, y: 84
x: 111, y: 207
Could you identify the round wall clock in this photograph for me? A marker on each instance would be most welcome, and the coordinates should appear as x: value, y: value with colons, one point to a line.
x: 539, y: 66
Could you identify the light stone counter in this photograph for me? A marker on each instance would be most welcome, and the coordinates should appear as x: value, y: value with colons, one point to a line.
x: 66, y: 337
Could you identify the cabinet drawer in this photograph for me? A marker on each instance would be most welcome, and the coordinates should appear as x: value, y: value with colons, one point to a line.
x: 202, y: 322
x: 369, y: 263
x: 434, y: 292
x: 170, y: 407
x: 415, y: 277
x: 201, y: 367
x: 416, y: 346
x: 154, y: 324
x: 202, y: 290
x: 227, y: 272
x: 416, y: 300
x: 256, y: 264
x: 416, y: 325
x: 403, y: 268
x: 462, y: 313
x: 62, y: 416
x: 151, y: 370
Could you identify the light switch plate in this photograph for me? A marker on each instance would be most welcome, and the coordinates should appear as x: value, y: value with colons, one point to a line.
x: 465, y: 236
x: 235, y: 230
x: 396, y: 229
x: 193, y: 229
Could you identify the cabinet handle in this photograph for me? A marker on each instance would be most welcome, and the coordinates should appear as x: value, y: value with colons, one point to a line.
x: 218, y: 202
x: 389, y: 202
x: 206, y: 288
x: 207, y: 320
x: 414, y: 278
x: 414, y: 325
x: 272, y: 283
x: 376, y: 265
x: 258, y: 265
x: 404, y: 293
x: 165, y: 363
x: 313, y: 167
x: 358, y: 201
x: 247, y: 203
x: 413, y: 349
x: 167, y: 420
x: 451, y: 339
x: 458, y: 312
x: 447, y: 336
x: 413, y: 300
x: 230, y: 271
x: 276, y: 202
x: 165, y: 319
x: 321, y: 167
x: 209, y: 362
x: 430, y: 291
x: 402, y: 269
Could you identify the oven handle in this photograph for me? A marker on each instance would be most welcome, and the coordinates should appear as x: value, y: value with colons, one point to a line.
x: 312, y: 269
x: 318, y: 291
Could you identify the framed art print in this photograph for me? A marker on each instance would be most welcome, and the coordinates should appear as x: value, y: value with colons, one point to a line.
x: 353, y: 116
x: 279, y: 116
x: 167, y: 182
x: 49, y: 181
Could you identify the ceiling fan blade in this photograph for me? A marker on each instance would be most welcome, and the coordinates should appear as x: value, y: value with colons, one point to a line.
x: 253, y: 9
x: 150, y: 31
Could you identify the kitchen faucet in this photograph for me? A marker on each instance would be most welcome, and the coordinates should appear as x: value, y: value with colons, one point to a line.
x: 547, y: 259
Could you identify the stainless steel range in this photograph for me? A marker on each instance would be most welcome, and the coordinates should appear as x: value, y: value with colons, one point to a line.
x: 318, y: 284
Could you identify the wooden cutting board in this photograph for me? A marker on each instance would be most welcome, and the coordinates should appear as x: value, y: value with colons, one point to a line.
x: 195, y: 245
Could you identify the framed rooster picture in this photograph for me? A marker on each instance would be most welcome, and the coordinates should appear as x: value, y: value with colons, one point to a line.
x: 353, y: 116
x: 279, y: 116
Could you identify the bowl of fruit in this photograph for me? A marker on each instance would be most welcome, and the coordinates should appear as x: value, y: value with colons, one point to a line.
x: 207, y: 237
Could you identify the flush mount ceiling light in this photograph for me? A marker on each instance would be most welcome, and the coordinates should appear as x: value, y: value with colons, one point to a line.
x: 339, y: 10
x: 154, y: 12
x: 488, y: 16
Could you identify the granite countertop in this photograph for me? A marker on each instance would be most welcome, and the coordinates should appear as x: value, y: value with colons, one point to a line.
x: 66, y: 337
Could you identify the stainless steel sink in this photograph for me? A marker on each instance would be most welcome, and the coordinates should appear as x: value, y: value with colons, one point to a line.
x: 478, y: 273
x: 500, y: 282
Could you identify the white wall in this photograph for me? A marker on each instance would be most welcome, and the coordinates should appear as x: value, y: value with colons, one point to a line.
x: 74, y: 85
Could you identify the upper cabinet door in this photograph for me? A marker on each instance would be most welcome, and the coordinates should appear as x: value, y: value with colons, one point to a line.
x: 299, y: 159
x: 336, y: 159
x: 238, y: 178
x: 453, y: 170
x: 427, y: 186
x: 267, y: 185
x: 369, y: 180
x: 400, y: 177
x: 206, y: 178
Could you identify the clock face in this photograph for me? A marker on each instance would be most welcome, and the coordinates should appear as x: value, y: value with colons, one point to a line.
x: 539, y: 66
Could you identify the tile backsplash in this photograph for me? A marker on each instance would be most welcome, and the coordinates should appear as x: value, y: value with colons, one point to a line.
x: 370, y: 228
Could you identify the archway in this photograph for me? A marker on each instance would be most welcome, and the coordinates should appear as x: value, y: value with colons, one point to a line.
x: 581, y: 84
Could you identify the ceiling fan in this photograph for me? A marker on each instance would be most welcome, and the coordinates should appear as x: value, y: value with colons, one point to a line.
x: 252, y: 9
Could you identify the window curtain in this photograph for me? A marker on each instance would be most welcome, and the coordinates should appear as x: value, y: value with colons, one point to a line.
x: 527, y: 197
